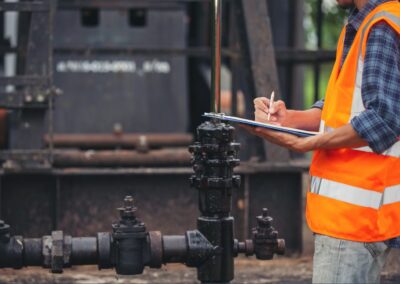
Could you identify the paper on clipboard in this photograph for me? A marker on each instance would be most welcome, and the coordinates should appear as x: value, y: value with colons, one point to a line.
x: 294, y: 131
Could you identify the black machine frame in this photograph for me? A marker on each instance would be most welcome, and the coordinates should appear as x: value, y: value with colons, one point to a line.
x: 250, y: 54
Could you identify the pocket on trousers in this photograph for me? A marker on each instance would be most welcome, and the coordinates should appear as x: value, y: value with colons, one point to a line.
x: 376, y: 249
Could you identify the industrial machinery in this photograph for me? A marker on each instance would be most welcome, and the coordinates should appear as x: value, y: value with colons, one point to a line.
x: 129, y: 248
x: 71, y: 147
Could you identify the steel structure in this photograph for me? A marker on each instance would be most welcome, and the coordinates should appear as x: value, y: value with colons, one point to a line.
x: 30, y: 94
x: 130, y: 247
x: 56, y: 183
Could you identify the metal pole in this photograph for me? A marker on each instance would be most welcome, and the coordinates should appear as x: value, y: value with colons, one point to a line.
x: 52, y: 7
x: 216, y: 55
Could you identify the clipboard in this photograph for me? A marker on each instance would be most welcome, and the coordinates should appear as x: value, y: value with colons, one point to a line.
x: 293, y: 131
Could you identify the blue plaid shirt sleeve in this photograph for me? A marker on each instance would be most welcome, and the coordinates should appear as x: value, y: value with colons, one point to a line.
x: 319, y: 104
x: 379, y: 124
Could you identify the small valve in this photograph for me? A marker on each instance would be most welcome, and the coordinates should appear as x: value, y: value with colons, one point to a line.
x: 4, y: 232
x: 265, y: 238
x: 129, y: 235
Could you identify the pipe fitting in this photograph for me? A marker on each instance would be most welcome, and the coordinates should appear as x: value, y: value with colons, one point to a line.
x: 265, y: 238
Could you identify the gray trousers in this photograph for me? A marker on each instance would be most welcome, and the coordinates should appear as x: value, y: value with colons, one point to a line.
x: 340, y: 261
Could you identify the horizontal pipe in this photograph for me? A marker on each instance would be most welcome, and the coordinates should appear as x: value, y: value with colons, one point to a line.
x: 84, y: 251
x: 174, y: 249
x: 126, y: 141
x: 20, y: 252
x: 33, y: 254
x: 122, y: 158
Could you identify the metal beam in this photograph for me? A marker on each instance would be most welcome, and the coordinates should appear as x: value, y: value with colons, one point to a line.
x: 260, y: 56
x: 24, y: 80
x: 201, y: 51
x: 301, y: 56
x: 35, y: 6
x: 124, y: 4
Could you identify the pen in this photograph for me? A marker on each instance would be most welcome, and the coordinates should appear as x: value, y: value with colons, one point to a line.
x: 271, y: 102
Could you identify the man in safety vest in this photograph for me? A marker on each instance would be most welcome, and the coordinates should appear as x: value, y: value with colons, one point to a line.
x: 353, y: 205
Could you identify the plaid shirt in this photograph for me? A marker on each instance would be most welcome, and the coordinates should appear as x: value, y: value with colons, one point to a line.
x: 379, y: 124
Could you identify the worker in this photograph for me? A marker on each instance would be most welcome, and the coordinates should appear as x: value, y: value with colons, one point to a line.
x: 353, y: 205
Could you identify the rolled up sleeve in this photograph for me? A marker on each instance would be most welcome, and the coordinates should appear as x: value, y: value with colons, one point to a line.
x: 379, y: 124
x: 318, y: 104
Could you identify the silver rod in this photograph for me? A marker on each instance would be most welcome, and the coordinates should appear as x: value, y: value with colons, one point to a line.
x: 216, y: 55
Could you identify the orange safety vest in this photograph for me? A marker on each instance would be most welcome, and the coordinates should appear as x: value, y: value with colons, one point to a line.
x: 354, y: 193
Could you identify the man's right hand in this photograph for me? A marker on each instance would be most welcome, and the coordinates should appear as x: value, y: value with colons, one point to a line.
x: 278, y: 111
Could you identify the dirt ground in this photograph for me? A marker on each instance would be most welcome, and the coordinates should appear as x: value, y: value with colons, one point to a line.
x: 247, y: 270
x: 281, y: 270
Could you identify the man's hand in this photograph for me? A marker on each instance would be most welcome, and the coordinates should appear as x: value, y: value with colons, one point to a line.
x: 289, y: 141
x: 278, y: 111
x: 280, y: 115
x: 342, y: 137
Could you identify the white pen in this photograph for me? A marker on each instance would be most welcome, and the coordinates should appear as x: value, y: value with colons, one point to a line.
x: 271, y: 102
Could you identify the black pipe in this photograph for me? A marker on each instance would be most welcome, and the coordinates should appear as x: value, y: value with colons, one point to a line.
x: 84, y: 251
x: 33, y: 255
x: 214, y: 157
x: 174, y: 249
x: 17, y: 252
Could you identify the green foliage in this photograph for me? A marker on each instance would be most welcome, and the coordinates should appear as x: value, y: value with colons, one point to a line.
x: 333, y: 22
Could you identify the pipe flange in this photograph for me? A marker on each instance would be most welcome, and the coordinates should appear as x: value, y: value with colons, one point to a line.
x: 156, y: 249
x: 249, y: 247
x: 57, y: 252
x: 15, y: 252
x: 104, y: 250
x: 46, y: 250
x: 67, y: 251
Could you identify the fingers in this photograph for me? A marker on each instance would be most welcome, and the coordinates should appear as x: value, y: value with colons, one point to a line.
x: 260, y: 116
x: 277, y: 106
x: 261, y: 103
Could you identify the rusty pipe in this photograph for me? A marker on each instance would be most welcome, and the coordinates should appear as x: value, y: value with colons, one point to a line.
x: 125, y: 141
x: 122, y: 158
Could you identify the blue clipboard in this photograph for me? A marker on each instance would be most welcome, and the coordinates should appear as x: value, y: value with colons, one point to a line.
x: 293, y: 131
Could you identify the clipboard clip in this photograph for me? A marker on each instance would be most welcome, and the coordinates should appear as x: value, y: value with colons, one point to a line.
x: 215, y: 116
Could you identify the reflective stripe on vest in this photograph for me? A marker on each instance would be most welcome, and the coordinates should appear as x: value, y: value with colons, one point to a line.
x: 354, y: 195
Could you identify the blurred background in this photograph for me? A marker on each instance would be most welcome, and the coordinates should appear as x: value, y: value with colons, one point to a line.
x: 101, y: 99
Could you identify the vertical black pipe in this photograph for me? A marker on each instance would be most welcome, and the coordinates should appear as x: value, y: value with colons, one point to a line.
x: 214, y: 157
x: 52, y: 8
x: 56, y: 204
x: 216, y: 55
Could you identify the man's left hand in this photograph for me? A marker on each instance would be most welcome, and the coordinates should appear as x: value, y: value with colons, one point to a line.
x: 289, y: 141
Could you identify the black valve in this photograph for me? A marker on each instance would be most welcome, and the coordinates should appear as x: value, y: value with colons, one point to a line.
x: 265, y: 238
x: 4, y: 232
x: 130, y: 248
x: 129, y: 235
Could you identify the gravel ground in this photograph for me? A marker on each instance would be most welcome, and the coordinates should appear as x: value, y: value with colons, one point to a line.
x: 282, y: 270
